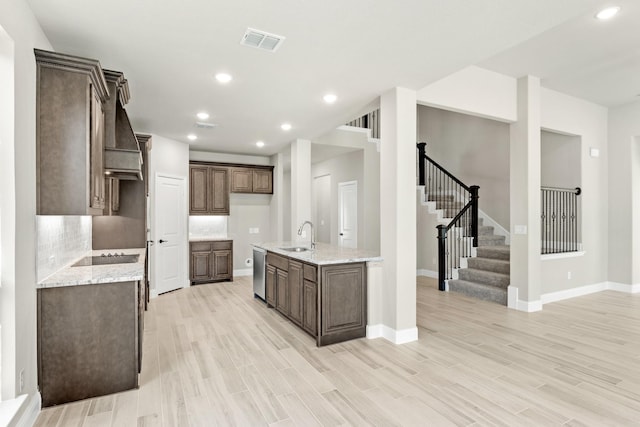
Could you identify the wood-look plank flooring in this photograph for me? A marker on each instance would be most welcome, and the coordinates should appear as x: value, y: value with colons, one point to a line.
x: 213, y: 355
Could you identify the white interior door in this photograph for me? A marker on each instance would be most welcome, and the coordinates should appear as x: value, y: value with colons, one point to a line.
x: 348, y: 214
x: 170, y: 233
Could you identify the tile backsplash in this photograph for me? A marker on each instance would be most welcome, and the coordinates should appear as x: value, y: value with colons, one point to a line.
x: 60, y: 241
x: 208, y: 226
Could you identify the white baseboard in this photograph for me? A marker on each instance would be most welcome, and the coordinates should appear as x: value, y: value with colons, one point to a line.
x: 621, y: 287
x: 402, y: 336
x: 243, y: 272
x: 427, y: 273
x: 515, y: 303
x: 30, y: 414
x: 573, y: 292
x: 153, y: 294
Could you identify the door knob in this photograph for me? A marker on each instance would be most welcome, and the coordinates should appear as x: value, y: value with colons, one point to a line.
x: 342, y: 234
x: 162, y: 241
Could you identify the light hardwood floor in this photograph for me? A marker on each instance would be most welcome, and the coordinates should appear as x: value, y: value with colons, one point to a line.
x: 215, y: 356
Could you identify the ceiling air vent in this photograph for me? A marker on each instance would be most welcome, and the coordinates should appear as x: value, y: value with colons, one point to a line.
x: 261, y: 40
x: 203, y: 125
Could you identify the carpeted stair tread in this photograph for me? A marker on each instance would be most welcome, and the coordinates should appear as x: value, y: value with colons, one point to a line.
x: 489, y: 264
x: 479, y: 290
x: 485, y: 230
x: 486, y: 277
x: 494, y: 252
x: 493, y: 240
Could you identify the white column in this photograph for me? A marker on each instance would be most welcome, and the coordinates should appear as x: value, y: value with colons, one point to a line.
x: 398, y: 214
x: 524, y: 290
x: 300, y: 186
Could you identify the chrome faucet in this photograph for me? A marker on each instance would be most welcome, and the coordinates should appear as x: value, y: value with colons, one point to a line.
x: 313, y: 240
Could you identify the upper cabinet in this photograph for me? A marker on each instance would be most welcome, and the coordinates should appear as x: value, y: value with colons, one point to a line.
x: 70, y: 129
x: 208, y: 190
x: 211, y: 183
x: 252, y: 179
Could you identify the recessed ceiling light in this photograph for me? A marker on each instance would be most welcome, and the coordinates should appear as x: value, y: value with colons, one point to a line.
x: 223, y: 77
x: 259, y: 144
x: 608, y: 13
x: 330, y: 98
x: 285, y: 126
x: 202, y: 115
x: 192, y: 137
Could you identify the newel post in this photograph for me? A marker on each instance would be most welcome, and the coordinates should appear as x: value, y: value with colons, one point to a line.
x: 474, y: 214
x: 442, y: 254
x: 421, y: 166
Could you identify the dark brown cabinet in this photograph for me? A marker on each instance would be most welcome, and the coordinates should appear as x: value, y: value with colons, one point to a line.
x: 211, y: 261
x: 327, y: 301
x: 252, y: 179
x: 70, y: 135
x: 208, y: 190
x: 89, y: 340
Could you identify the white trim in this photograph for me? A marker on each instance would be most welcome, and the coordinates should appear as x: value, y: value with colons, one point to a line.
x: 562, y: 255
x: 9, y: 410
x: 243, y: 272
x: 30, y: 414
x: 427, y: 273
x: 517, y: 304
x: 573, y: 292
x: 621, y: 287
x: 402, y: 336
x: 362, y: 130
x: 153, y: 294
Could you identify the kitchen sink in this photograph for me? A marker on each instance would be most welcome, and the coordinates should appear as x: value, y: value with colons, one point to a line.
x: 106, y: 260
x: 296, y: 249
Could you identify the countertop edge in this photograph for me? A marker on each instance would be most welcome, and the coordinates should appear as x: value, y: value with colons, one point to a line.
x: 304, y: 256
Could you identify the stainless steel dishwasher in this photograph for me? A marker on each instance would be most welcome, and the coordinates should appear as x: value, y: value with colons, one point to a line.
x: 259, y: 256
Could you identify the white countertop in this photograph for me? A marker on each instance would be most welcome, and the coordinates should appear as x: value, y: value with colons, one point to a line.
x: 322, y: 254
x: 91, y: 275
x: 208, y: 238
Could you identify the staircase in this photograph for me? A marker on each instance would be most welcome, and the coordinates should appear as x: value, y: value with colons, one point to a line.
x: 472, y: 259
x: 487, y: 274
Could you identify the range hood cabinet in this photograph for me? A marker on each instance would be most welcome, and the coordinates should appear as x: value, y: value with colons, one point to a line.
x: 122, y: 156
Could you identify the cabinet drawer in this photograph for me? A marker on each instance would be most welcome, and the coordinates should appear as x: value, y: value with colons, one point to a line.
x: 278, y: 261
x: 310, y: 272
x: 223, y: 245
x: 200, y: 246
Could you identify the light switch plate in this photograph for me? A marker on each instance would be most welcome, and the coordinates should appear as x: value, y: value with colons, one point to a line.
x: 520, y: 229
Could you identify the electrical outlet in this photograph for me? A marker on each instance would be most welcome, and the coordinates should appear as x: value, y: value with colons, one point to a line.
x: 569, y: 275
x: 433, y: 260
x: 52, y: 260
x: 254, y: 230
x: 21, y: 380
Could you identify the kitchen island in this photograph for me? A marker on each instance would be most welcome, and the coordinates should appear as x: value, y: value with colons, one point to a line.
x: 90, y: 326
x: 323, y: 291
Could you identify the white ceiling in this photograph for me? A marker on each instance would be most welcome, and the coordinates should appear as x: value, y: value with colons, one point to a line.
x: 170, y: 50
x: 595, y: 60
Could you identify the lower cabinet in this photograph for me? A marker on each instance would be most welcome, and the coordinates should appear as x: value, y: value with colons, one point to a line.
x: 327, y: 301
x: 89, y: 340
x: 211, y: 261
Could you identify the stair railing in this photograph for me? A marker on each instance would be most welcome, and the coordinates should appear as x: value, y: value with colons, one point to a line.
x: 456, y: 239
x: 368, y: 121
x: 559, y: 220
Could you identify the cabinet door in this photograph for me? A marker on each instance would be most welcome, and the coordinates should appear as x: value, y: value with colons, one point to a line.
x: 219, y: 191
x: 295, y: 291
x: 241, y: 180
x: 222, y: 265
x: 198, y: 190
x: 282, y: 292
x: 262, y: 181
x: 201, y: 266
x: 96, y: 148
x: 270, y: 285
x: 310, y: 307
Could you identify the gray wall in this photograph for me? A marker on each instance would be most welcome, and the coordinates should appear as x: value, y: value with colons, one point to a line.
x: 560, y: 160
x: 347, y: 167
x: 475, y: 150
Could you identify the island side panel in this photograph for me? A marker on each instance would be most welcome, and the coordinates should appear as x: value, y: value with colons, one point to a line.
x: 343, y: 289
